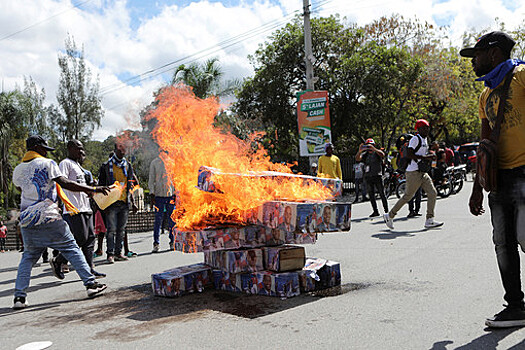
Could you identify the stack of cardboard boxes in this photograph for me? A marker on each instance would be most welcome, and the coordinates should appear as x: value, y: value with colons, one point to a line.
x: 259, y: 258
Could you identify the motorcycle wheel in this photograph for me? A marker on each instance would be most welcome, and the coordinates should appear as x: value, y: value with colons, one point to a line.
x: 458, y: 184
x: 444, y: 190
x: 400, y: 189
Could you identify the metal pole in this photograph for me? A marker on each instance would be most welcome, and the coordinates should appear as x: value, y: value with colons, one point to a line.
x: 308, y: 47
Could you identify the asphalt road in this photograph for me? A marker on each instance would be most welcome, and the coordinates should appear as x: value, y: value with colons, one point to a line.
x: 408, y: 288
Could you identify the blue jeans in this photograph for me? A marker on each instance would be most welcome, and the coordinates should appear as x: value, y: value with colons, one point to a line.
x: 116, y: 220
x: 507, y: 209
x: 164, y: 206
x: 56, y: 235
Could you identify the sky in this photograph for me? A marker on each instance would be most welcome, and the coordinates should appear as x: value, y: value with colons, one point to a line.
x: 124, y: 39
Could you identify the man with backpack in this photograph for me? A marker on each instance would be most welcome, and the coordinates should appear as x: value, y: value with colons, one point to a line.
x: 414, y: 205
x: 417, y: 176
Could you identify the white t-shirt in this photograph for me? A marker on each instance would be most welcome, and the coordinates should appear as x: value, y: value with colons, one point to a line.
x: 72, y: 171
x: 423, y: 150
x: 39, y: 195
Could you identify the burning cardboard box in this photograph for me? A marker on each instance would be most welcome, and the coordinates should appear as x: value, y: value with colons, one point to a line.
x: 284, y: 258
x: 235, y: 261
x: 319, y: 274
x: 181, y: 280
x: 209, y: 180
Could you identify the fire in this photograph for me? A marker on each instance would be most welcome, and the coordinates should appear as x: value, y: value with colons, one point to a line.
x: 185, y: 131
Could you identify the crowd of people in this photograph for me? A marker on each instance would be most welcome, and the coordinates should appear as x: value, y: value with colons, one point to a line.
x: 70, y: 230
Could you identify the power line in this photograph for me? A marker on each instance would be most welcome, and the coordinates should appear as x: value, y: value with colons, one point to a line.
x: 44, y: 20
x: 208, y: 51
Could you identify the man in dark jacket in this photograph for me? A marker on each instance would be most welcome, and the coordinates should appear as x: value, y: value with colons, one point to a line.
x: 372, y: 158
x: 117, y: 168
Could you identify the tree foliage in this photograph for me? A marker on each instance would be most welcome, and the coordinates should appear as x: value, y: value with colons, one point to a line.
x: 80, y: 109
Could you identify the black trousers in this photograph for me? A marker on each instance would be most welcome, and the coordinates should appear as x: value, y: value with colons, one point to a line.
x: 374, y: 183
x: 81, y: 225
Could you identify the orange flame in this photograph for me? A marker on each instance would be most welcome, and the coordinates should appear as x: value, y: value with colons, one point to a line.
x: 185, y: 131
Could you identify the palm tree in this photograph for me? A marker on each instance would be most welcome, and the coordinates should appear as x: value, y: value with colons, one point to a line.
x: 205, y: 79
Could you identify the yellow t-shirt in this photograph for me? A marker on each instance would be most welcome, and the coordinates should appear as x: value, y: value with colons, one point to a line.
x: 329, y: 167
x: 511, y: 142
x: 119, y: 176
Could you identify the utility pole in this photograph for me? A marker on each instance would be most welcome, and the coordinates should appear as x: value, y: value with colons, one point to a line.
x: 308, y: 56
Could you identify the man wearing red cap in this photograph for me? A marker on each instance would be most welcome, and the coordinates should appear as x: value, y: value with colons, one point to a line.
x: 492, y: 63
x: 417, y: 176
x: 373, y: 160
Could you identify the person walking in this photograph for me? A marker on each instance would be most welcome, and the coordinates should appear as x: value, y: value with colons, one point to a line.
x: 372, y: 158
x: 417, y: 176
x: 502, y: 76
x: 359, y: 182
x: 162, y: 200
x: 329, y: 164
x: 81, y: 223
x: 3, y: 236
x: 41, y: 181
x: 117, y: 168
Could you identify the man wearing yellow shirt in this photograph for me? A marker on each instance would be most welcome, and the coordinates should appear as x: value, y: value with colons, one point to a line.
x: 492, y: 64
x: 329, y: 164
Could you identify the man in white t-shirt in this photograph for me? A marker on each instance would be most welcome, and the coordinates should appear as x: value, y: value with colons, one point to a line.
x: 40, y: 181
x: 81, y: 224
x: 416, y: 176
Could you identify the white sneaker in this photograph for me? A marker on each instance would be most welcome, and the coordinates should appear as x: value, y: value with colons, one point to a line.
x: 388, y: 221
x: 430, y: 223
x: 156, y: 248
x: 20, y: 303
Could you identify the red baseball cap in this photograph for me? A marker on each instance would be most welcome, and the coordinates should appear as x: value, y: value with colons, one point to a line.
x: 421, y: 122
x: 370, y: 141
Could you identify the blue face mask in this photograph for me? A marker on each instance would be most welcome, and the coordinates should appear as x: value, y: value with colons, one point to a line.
x: 496, y: 76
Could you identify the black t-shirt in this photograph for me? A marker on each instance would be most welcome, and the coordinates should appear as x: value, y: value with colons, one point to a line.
x: 373, y: 164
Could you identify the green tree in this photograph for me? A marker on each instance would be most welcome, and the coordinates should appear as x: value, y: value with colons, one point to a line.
x: 78, y: 96
x: 205, y: 79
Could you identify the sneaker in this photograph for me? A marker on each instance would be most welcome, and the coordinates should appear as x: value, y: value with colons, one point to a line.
x: 172, y: 246
x: 388, y: 221
x: 508, y: 317
x: 98, y: 274
x: 430, y: 223
x: 111, y: 259
x: 97, y: 254
x: 121, y: 258
x: 411, y: 214
x: 65, y: 268
x: 374, y: 214
x: 156, y: 248
x: 56, y: 268
x: 20, y: 303
x: 95, y: 289
x: 131, y: 254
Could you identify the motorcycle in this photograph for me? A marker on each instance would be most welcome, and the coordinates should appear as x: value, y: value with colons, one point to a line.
x: 443, y: 186
x: 459, y: 175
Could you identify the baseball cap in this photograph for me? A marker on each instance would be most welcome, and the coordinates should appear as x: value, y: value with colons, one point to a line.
x: 314, y: 165
x: 370, y: 141
x: 421, y: 122
x: 492, y: 39
x: 37, y: 140
x: 328, y: 144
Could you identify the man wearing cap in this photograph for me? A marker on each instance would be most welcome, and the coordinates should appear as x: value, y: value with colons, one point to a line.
x: 40, y: 181
x: 329, y: 164
x: 491, y: 62
x: 416, y: 176
x: 313, y: 170
x: 372, y: 158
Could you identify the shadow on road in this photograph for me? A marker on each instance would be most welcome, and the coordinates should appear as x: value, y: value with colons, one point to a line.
x: 489, y: 341
x: 155, y: 313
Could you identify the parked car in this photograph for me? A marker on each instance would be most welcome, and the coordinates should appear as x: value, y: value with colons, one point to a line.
x: 467, y: 153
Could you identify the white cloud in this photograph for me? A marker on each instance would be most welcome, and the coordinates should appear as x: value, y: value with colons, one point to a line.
x: 113, y: 49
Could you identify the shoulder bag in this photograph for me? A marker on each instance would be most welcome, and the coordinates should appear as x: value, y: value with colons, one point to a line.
x: 487, y: 153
